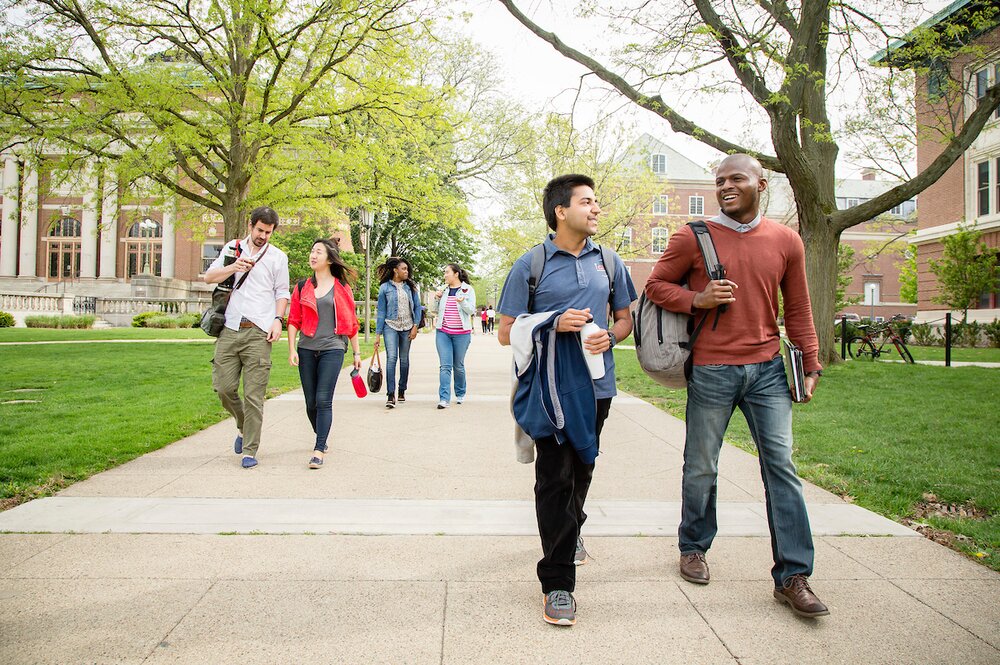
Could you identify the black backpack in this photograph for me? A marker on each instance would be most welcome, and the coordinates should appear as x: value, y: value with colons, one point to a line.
x: 538, y: 267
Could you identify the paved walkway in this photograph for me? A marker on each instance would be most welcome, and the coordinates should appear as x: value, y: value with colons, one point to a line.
x: 416, y: 544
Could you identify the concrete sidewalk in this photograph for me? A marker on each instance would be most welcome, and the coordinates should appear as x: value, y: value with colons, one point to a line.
x: 416, y: 544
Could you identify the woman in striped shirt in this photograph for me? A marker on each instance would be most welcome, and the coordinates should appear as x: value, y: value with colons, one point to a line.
x: 456, y: 303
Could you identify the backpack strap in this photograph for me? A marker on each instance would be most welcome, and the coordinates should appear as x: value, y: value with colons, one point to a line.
x: 537, y: 254
x: 713, y: 267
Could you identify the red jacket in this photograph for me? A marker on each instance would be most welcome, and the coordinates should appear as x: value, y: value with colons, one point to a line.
x: 305, y: 316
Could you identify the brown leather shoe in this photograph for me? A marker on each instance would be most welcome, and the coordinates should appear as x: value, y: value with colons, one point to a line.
x: 796, y: 592
x: 694, y: 568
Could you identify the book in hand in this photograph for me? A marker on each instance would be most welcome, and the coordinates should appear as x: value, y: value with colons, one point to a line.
x: 796, y: 373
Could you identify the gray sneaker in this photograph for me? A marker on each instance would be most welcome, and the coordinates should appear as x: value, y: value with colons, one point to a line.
x: 581, y: 557
x: 560, y: 608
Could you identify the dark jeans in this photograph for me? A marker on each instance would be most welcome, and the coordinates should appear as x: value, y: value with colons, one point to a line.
x: 760, y: 391
x: 561, y: 485
x: 318, y: 371
x: 397, y: 347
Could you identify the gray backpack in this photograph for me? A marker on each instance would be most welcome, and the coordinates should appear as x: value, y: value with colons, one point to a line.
x: 663, y: 339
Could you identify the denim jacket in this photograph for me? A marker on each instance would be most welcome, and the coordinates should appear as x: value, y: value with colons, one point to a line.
x: 388, y: 305
x: 466, y: 308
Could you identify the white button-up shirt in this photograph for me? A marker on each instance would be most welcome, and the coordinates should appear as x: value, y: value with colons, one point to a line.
x: 265, y: 285
x: 726, y: 220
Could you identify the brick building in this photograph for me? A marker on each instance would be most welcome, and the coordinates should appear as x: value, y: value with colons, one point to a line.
x: 969, y: 192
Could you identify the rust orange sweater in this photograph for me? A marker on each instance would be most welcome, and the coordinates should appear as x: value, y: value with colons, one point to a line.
x: 761, y: 261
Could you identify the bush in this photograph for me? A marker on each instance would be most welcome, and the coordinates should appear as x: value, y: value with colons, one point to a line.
x: 65, y: 321
x: 139, y: 320
x: 992, y: 331
x: 167, y: 321
x: 925, y: 335
x: 6, y: 320
x: 852, y: 331
x: 967, y: 334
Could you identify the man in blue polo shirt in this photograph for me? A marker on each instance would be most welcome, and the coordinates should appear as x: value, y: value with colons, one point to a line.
x: 574, y: 281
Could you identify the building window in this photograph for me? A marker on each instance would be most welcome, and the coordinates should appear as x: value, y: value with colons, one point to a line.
x: 658, y: 163
x: 982, y: 83
x: 983, y: 188
x: 660, y: 205
x: 937, y: 79
x: 852, y: 202
x: 209, y: 252
x: 696, y: 205
x: 63, y: 249
x: 660, y: 236
x: 625, y: 238
x: 144, y: 248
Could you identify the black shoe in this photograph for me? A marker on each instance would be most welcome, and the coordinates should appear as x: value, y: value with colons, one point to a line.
x: 390, y: 402
x: 401, y: 397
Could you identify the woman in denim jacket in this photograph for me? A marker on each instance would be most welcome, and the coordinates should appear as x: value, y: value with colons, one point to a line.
x: 397, y: 325
x: 456, y: 303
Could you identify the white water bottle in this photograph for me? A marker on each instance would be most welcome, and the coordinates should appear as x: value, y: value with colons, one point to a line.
x: 595, y: 361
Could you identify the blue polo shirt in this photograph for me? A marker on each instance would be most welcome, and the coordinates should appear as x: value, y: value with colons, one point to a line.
x: 571, y: 282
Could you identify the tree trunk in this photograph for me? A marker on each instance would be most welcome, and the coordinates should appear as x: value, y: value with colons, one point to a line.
x: 821, y: 242
x: 232, y: 219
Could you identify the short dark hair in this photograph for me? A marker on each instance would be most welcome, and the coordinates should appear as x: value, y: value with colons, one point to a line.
x: 265, y: 216
x: 559, y: 192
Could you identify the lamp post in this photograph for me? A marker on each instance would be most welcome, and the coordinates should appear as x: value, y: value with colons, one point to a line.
x: 147, y: 228
x: 365, y: 216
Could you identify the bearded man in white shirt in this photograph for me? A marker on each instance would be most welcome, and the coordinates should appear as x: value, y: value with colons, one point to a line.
x: 253, y: 323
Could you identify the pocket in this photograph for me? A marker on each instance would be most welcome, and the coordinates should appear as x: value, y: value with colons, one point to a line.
x: 264, y: 363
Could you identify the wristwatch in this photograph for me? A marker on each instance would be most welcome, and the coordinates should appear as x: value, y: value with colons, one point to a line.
x: 815, y: 372
x: 612, y: 339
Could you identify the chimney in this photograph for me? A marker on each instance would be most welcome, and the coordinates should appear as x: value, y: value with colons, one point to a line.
x: 867, y: 174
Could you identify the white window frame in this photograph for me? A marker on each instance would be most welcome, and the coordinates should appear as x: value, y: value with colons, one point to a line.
x: 696, y: 205
x: 658, y: 163
x: 625, y: 237
x: 206, y: 261
x: 661, y: 204
x: 659, y: 237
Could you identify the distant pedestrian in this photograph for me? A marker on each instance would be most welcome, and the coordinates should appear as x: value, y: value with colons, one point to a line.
x: 491, y: 316
x: 397, y: 315
x: 253, y: 323
x: 737, y: 364
x: 574, y: 288
x: 456, y: 303
x: 485, y: 318
x: 323, y: 309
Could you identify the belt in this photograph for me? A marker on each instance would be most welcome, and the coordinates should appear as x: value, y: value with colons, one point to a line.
x: 247, y: 323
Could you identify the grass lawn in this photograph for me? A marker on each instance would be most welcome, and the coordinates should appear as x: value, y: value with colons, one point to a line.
x: 889, y: 436
x: 49, y: 334
x: 104, y: 404
x: 991, y: 355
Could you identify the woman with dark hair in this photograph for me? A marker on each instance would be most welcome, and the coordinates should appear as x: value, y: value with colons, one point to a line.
x: 323, y: 310
x: 397, y: 316
x: 456, y: 303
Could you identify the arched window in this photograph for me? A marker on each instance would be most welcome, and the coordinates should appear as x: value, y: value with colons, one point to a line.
x: 144, y: 248
x: 63, y: 248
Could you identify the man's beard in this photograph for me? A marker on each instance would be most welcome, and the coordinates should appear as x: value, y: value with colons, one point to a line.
x: 259, y: 242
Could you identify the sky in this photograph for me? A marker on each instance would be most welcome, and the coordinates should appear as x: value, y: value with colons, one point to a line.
x: 543, y: 79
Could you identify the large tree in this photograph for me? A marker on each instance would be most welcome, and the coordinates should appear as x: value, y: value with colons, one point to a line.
x: 783, y: 58
x: 225, y: 104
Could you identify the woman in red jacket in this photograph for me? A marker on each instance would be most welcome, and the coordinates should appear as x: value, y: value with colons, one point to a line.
x: 323, y: 310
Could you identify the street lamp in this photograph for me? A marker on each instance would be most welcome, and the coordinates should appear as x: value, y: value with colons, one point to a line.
x: 367, y: 222
x: 147, y: 230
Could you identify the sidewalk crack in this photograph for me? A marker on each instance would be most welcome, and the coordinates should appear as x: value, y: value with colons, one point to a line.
x: 178, y: 622
x: 710, y: 626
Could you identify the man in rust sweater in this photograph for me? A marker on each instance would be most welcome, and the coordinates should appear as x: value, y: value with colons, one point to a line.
x: 737, y: 364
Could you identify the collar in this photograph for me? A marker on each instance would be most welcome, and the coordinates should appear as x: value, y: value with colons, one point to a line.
x: 729, y: 222
x: 550, y: 247
x: 248, y: 247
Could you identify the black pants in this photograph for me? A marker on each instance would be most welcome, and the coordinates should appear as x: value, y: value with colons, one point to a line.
x: 561, y: 484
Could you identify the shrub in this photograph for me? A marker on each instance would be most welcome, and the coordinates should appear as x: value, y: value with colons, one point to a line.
x: 167, y: 321
x: 65, y: 321
x: 992, y: 331
x: 6, y: 320
x: 967, y: 334
x: 925, y: 335
x: 139, y: 320
x: 852, y: 331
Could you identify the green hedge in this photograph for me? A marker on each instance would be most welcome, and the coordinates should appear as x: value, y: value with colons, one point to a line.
x: 176, y: 321
x: 6, y: 320
x: 64, y: 321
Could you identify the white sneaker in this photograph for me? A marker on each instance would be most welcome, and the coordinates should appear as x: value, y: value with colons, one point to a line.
x: 442, y: 404
x: 459, y: 400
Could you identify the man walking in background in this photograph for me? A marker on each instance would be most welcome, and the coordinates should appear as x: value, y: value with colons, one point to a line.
x: 253, y: 323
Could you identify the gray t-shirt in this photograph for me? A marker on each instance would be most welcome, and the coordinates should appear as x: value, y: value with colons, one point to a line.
x: 324, y: 339
x: 404, y: 309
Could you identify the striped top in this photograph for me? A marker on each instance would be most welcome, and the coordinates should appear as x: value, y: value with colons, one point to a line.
x: 452, y: 323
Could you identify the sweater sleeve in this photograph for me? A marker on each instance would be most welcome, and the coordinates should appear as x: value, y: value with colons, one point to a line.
x: 798, y: 309
x: 671, y: 270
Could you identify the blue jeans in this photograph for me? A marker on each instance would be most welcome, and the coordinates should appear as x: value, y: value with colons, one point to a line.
x: 761, y: 393
x: 318, y: 371
x: 451, y: 352
x: 397, y: 347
